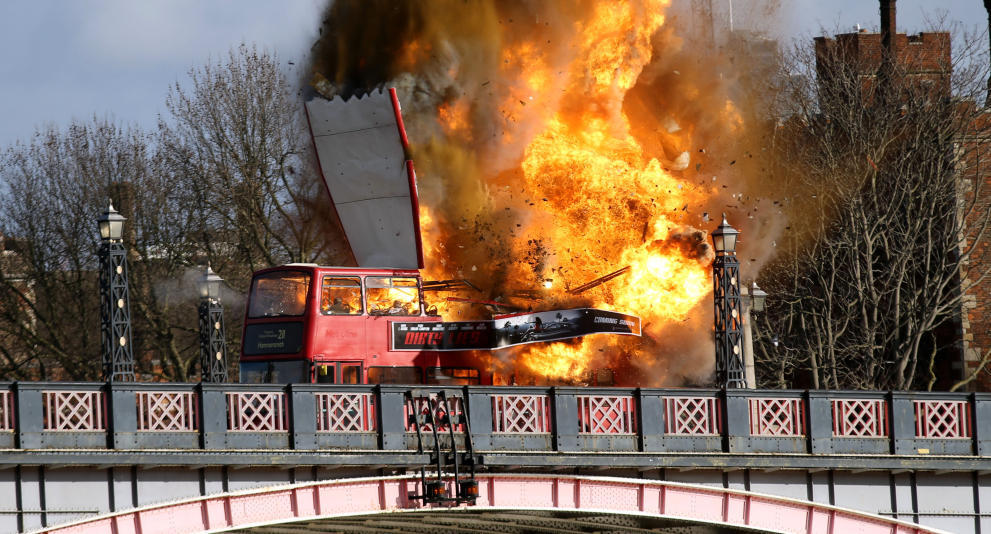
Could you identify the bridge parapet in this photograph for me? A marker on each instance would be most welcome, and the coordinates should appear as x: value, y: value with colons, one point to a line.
x: 37, y: 415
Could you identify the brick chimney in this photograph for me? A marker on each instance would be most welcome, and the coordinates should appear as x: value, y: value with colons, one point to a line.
x: 888, y: 27
x: 889, y: 37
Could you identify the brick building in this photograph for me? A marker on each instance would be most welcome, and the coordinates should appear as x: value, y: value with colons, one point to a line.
x: 974, y: 201
x: 923, y: 60
x: 923, y: 65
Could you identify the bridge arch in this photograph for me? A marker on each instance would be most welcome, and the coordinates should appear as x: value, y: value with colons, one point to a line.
x: 576, y: 495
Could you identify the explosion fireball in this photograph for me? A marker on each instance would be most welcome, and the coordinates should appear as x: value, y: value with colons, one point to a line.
x: 552, y: 151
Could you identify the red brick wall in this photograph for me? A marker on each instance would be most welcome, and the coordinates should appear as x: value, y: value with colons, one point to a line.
x: 923, y: 58
x: 974, y: 195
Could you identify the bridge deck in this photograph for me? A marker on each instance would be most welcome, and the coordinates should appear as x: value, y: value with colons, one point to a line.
x: 73, y: 450
x: 583, y: 426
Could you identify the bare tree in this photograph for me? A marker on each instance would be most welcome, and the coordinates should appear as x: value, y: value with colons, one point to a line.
x: 870, y: 293
x: 987, y: 7
x: 236, y: 140
x: 225, y: 179
x: 55, y: 187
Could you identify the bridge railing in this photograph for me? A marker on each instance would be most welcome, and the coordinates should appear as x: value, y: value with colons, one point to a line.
x: 39, y: 415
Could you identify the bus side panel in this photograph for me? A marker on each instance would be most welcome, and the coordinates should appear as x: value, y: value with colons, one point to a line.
x: 338, y: 337
x: 379, y: 335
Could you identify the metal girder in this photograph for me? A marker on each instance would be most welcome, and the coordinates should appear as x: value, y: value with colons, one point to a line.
x: 493, y: 462
x: 476, y: 520
x: 530, y: 503
x: 317, y: 527
x: 497, y: 523
x: 291, y: 528
x: 234, y: 459
x: 564, y: 522
x: 422, y: 524
x: 467, y: 521
x: 561, y: 461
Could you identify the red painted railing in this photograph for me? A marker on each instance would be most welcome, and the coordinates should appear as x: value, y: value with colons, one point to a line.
x: 256, y: 412
x: 431, y: 404
x: 345, y: 412
x: 860, y: 418
x: 521, y: 414
x: 692, y: 416
x: 776, y: 417
x: 6, y: 411
x: 606, y: 414
x: 942, y: 419
x: 166, y: 411
x: 73, y: 410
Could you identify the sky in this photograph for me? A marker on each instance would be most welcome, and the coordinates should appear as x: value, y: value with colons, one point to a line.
x: 62, y: 60
x: 810, y: 17
x: 65, y: 59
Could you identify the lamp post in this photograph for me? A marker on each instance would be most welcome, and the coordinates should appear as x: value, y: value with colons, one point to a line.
x: 728, y: 311
x: 115, y: 308
x: 213, y: 342
x: 754, y: 302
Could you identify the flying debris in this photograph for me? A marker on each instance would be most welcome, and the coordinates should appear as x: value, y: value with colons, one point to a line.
x: 681, y: 162
x: 599, y: 281
x: 602, y: 170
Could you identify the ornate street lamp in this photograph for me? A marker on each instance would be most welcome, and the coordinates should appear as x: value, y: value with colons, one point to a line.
x: 213, y: 342
x: 728, y: 308
x: 758, y: 298
x: 115, y: 308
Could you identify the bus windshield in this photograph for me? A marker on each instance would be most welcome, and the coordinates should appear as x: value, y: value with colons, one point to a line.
x: 278, y: 294
x: 275, y: 372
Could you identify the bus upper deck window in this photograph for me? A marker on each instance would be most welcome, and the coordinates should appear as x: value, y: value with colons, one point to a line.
x: 340, y: 296
x: 392, y: 295
x: 279, y: 293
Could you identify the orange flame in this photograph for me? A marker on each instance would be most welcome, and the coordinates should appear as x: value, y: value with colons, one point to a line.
x: 594, y: 199
x: 454, y: 118
x: 561, y: 141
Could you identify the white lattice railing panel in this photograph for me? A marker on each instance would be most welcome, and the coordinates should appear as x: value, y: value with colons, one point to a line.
x: 521, y: 414
x: 256, y: 412
x: 6, y: 410
x: 166, y: 411
x: 860, y: 418
x: 942, y: 419
x: 606, y: 414
x: 425, y: 405
x: 776, y: 417
x: 345, y: 412
x: 73, y: 410
x: 691, y: 416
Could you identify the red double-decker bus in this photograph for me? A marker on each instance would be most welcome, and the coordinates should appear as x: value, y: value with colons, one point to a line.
x: 306, y: 323
x: 369, y: 324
